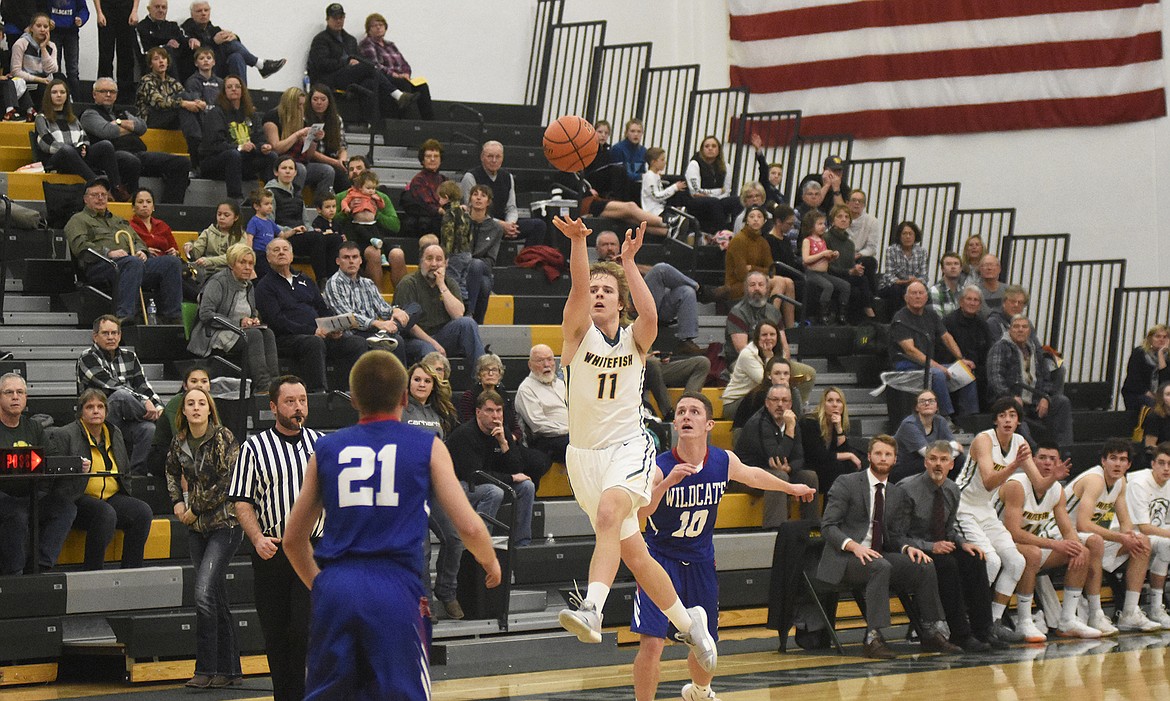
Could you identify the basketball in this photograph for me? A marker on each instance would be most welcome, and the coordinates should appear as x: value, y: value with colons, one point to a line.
x: 570, y: 144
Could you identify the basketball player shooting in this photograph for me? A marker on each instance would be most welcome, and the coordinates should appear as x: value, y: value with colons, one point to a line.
x: 610, y: 458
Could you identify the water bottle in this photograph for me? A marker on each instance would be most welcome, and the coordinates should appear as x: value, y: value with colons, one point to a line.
x: 550, y: 540
x: 307, y: 83
x: 152, y: 313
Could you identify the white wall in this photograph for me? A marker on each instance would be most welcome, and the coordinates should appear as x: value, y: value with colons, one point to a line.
x: 1099, y: 184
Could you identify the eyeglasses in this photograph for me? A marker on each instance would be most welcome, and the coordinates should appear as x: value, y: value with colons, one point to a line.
x: 106, y: 91
x: 493, y: 371
x: 928, y: 401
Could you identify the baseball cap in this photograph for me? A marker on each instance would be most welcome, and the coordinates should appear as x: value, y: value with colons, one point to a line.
x: 834, y: 163
x: 334, y: 9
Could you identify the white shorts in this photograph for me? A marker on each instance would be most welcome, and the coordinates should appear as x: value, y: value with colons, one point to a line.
x: 986, y: 531
x: 628, y: 465
x: 1113, y: 558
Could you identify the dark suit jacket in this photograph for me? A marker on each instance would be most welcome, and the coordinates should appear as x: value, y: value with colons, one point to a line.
x: 911, y: 507
x: 847, y: 516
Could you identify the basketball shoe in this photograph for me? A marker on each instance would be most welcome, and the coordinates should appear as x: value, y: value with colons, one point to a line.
x: 699, y: 639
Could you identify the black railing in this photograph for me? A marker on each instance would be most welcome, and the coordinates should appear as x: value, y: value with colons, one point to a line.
x: 778, y: 130
x: 568, y: 60
x: 880, y: 179
x: 663, y: 100
x: 991, y: 225
x: 548, y: 13
x: 1135, y: 310
x: 1032, y: 261
x: 810, y: 154
x: 929, y: 205
x: 1080, y: 317
x: 613, y: 82
x: 718, y: 113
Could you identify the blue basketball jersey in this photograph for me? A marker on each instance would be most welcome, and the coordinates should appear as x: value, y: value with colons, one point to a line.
x: 375, y: 478
x: 682, y: 525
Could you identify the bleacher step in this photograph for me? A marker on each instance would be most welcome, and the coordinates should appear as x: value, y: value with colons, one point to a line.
x: 50, y: 370
x: 27, y: 303
x: 64, y: 388
x: 33, y: 353
x: 563, y: 518
x: 20, y: 336
x: 40, y: 318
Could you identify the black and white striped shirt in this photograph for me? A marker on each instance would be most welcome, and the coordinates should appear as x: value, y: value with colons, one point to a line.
x: 269, y: 474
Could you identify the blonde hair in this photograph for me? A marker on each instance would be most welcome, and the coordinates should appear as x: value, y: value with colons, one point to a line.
x: 291, y: 113
x: 823, y: 418
x: 614, y: 270
x: 1148, y: 343
x: 237, y: 251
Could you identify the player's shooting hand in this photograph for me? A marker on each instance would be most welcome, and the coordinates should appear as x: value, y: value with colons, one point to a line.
x: 266, y: 547
x: 917, y: 556
x: 633, y: 242
x: 572, y: 228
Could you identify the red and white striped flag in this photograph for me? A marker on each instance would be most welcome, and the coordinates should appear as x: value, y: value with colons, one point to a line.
x: 879, y: 68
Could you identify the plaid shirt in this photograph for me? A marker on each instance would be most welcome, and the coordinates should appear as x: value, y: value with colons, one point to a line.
x: 901, y: 267
x: 385, y: 56
x: 943, y: 300
x: 1005, y: 370
x: 359, y: 296
x: 110, y: 373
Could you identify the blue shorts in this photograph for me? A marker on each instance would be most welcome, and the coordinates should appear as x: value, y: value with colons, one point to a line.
x: 370, y: 634
x: 696, y: 585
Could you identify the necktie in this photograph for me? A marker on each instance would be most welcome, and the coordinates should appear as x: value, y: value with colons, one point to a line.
x: 938, y: 528
x: 879, y: 509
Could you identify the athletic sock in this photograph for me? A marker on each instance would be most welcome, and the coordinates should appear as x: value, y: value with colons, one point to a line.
x: 1094, y: 601
x: 704, y: 690
x: 1068, y: 609
x: 677, y: 614
x: 1131, y: 600
x: 596, y: 594
x: 1024, y: 607
x: 997, y: 610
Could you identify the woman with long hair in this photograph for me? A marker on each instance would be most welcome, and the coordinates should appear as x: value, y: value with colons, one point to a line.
x: 287, y: 129
x: 972, y: 256
x: 234, y: 146
x: 157, y: 235
x: 905, y: 263
x: 825, y: 439
x: 202, y: 455
x: 332, y: 149
x: 1157, y: 422
x: 1147, y: 369
x: 709, y: 186
x: 777, y: 371
x: 749, y: 365
x: 428, y: 404
x: 64, y: 146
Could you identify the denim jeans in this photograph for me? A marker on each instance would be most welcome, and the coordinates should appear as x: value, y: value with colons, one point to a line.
x: 161, y: 274
x: 460, y: 337
x: 450, y: 552
x: 216, y: 651
x: 235, y: 59
x: 965, y: 401
x: 674, y: 296
x: 128, y: 413
x: 56, y: 518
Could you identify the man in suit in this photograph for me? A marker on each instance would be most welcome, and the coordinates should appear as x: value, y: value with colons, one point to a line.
x: 859, y: 550
x: 922, y: 512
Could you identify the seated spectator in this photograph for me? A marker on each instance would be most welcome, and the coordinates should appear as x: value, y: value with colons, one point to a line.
x: 387, y: 223
x: 770, y: 175
x: 157, y: 235
x: 441, y: 368
x: 442, y: 322
x: 810, y: 200
x: 1146, y: 369
x: 428, y: 404
x: 335, y: 60
x: 846, y: 266
x: 331, y: 149
x: 262, y: 230
x: 55, y: 497
x: 34, y: 57
x: 859, y: 552
x: 456, y: 238
x: 489, y: 371
x: 866, y: 233
x: 64, y: 147
x: 782, y: 238
x: 68, y: 17
x: 771, y: 440
x: 745, y: 317
x: 656, y: 195
x: 233, y: 146
x: 383, y: 325
x: 970, y: 332
x: 133, y: 404
x: 486, y: 234
x: 663, y: 372
x: 915, y: 331
x: 748, y: 253
x: 196, y: 377
x: 291, y: 304
x: 990, y: 285
x: 920, y: 430
x: 709, y: 187
x: 106, y: 504
x: 288, y: 211
x: 905, y: 263
x: 389, y: 60
x: 597, y: 188
x: 95, y: 227
x: 777, y: 371
x: 824, y: 433
x: 287, y: 130
x: 748, y: 370
x: 944, y: 294
x: 973, y: 252
x: 1015, y: 299
x: 156, y: 31
x: 231, y: 55
x: 492, y: 174
x: 106, y: 122
x: 542, y: 403
x: 751, y: 194
x: 819, y: 285
x: 1015, y: 368
x: 163, y: 103
x: 421, y: 211
x: 484, y: 444
x: 831, y: 190
x: 631, y: 154
x: 231, y: 294
x: 208, y: 252
x: 17, y: 105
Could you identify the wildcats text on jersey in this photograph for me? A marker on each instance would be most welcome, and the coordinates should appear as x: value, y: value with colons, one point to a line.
x: 690, y: 495
x: 618, y: 361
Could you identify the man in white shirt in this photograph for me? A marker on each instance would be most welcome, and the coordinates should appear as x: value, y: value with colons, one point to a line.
x: 1148, y: 496
x: 542, y: 403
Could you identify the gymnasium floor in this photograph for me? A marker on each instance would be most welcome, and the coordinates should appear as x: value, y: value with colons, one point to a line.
x: 1131, y: 667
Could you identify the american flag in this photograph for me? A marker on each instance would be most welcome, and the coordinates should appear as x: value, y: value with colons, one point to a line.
x: 880, y: 68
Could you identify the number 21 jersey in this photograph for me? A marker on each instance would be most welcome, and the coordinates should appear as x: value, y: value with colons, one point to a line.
x: 605, y: 390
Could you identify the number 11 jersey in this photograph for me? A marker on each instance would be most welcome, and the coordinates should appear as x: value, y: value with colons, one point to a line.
x: 605, y: 390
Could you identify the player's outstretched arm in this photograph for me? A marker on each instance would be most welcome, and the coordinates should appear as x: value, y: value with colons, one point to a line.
x: 762, y: 479
x: 645, y: 327
x: 576, y: 318
x: 458, y: 509
x: 301, y: 520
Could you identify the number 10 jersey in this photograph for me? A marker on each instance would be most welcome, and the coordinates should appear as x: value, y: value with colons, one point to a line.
x: 605, y: 390
x: 683, y: 525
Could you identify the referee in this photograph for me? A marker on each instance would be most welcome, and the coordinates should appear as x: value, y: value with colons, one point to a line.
x: 265, y: 483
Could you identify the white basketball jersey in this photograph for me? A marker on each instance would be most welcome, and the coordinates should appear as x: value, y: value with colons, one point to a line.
x: 1106, y: 506
x: 1039, y: 514
x: 974, y: 497
x: 1148, y: 503
x: 605, y: 390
